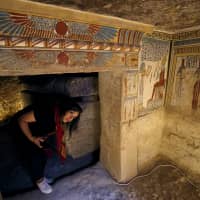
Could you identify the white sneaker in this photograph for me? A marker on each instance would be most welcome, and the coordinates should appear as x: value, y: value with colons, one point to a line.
x: 44, y: 187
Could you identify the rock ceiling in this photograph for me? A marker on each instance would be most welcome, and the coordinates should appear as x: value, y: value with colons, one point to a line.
x: 166, y: 15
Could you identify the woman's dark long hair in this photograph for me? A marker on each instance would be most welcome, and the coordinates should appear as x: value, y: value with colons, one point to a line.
x: 67, y: 104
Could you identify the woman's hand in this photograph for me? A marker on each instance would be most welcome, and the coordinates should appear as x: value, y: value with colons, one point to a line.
x: 37, y: 141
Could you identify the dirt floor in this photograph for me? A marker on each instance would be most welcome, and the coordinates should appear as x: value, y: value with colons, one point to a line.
x: 94, y: 183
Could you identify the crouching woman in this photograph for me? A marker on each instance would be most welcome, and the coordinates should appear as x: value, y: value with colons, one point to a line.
x: 33, y: 126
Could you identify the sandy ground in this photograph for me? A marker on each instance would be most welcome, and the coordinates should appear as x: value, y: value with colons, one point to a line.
x: 94, y: 183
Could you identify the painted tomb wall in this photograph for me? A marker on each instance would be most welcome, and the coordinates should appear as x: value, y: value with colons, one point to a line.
x: 181, y: 140
x: 35, y: 43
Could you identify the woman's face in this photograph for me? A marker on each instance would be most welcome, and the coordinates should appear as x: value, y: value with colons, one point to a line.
x: 70, y: 115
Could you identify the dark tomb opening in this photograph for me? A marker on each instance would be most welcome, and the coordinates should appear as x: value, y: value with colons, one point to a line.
x: 82, y: 146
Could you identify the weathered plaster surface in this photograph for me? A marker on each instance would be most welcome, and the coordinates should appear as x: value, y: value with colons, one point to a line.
x: 129, y: 151
x: 30, y: 62
x: 150, y: 128
x: 181, y: 141
x: 140, y: 143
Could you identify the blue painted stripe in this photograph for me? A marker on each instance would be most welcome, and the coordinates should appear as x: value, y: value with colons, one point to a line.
x: 19, y: 30
x: 12, y: 29
x: 4, y: 14
x: 4, y: 25
x: 126, y: 37
x: 105, y: 34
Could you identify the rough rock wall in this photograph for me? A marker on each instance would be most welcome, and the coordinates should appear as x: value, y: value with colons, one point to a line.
x: 11, y: 98
x: 167, y: 15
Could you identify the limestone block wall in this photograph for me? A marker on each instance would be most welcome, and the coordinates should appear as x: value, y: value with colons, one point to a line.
x: 140, y: 144
x: 110, y: 109
x: 86, y: 138
x: 129, y: 144
x: 180, y: 140
x: 129, y: 151
x: 149, y: 129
